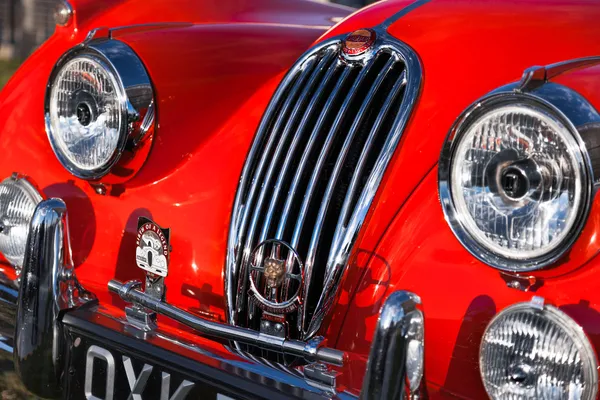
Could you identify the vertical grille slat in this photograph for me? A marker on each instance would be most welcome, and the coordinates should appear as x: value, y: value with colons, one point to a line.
x: 333, y: 180
x: 297, y: 108
x: 303, y: 125
x: 317, y: 160
x: 254, y: 185
x: 286, y: 211
x: 400, y: 83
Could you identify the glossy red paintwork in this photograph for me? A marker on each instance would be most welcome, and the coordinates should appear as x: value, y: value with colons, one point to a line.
x: 213, y: 79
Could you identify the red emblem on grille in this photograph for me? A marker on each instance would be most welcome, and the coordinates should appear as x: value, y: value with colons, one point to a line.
x: 358, y: 42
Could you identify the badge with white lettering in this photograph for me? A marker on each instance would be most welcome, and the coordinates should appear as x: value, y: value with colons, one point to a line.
x: 153, y: 248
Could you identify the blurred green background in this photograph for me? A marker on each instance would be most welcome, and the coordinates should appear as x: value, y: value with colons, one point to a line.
x: 7, y: 67
x: 24, y: 25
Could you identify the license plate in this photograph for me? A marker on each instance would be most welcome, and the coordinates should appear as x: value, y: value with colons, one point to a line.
x: 97, y: 371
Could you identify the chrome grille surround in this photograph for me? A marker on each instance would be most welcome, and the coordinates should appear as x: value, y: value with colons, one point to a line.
x: 313, y: 162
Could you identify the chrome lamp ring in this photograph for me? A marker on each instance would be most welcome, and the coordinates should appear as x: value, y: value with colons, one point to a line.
x: 135, y: 96
x: 456, y: 221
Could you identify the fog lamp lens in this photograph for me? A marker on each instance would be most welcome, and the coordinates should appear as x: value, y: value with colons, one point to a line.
x: 530, y: 352
x: 18, y: 200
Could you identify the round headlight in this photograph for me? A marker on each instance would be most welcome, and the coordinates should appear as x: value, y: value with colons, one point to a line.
x: 18, y: 200
x: 86, y: 114
x: 515, y: 183
x: 537, y: 353
x: 98, y: 101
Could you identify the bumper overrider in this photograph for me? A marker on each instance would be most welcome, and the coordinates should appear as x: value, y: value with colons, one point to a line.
x: 53, y: 323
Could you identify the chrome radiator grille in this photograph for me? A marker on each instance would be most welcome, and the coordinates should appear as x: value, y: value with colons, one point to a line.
x: 317, y: 159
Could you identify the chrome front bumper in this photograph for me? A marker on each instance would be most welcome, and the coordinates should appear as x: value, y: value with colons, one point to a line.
x: 51, y: 301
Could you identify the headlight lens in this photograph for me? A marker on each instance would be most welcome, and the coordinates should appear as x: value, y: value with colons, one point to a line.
x: 18, y: 200
x: 516, y: 185
x: 532, y: 353
x: 86, y: 114
x: 99, y: 105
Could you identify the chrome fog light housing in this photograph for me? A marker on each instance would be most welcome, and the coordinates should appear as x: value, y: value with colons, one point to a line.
x: 515, y: 182
x: 99, y: 101
x: 532, y: 351
x: 18, y: 200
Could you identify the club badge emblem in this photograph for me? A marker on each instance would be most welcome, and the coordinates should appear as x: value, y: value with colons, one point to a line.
x: 276, y: 277
x: 358, y: 42
x: 152, y: 255
x: 152, y: 251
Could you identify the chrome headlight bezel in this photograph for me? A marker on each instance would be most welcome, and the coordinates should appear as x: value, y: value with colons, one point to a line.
x: 134, y: 93
x: 482, y: 107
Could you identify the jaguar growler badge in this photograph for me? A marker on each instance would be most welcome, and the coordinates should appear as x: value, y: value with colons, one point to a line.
x: 358, y: 42
x: 276, y: 280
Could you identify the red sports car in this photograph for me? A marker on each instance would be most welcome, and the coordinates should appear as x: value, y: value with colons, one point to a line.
x: 280, y: 199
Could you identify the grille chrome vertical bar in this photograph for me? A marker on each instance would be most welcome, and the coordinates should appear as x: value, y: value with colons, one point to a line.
x: 246, y: 208
x: 333, y: 67
x: 340, y: 257
x: 289, y: 124
x: 313, y: 183
x: 360, y: 115
x: 341, y: 225
x: 269, y: 216
x: 394, y: 92
x: 291, y: 194
x: 232, y: 247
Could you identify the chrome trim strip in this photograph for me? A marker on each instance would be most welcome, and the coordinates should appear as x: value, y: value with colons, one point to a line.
x: 225, y: 331
x: 386, y: 375
x: 388, y: 22
x: 48, y: 287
